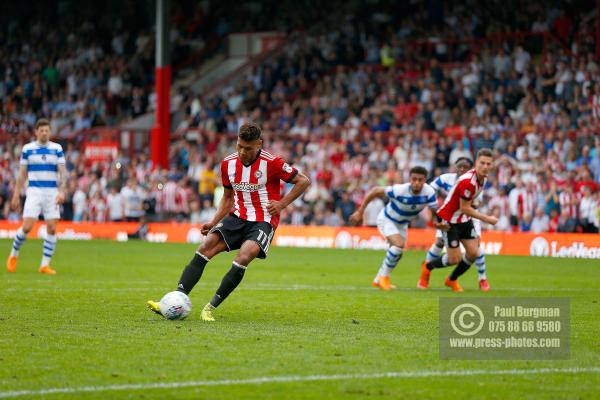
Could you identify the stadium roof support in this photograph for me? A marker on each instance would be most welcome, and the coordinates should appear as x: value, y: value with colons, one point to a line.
x: 161, y: 130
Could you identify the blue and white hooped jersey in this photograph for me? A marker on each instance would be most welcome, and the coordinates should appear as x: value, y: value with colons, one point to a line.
x: 443, y: 183
x: 42, y: 165
x: 404, y: 205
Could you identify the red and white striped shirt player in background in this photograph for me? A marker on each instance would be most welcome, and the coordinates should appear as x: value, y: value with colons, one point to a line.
x: 457, y: 211
x: 247, y: 216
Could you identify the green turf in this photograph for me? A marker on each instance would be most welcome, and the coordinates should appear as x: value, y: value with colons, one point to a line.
x: 301, y: 312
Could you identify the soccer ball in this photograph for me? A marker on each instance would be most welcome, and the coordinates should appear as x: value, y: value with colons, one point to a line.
x: 175, y: 305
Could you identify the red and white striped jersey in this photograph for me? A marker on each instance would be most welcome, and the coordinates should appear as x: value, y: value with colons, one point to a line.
x: 98, y: 210
x: 255, y: 185
x: 504, y: 174
x: 169, y: 197
x: 526, y: 203
x: 568, y: 201
x: 466, y: 187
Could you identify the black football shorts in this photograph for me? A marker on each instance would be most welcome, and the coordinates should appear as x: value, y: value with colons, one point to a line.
x: 236, y: 231
x: 458, y: 232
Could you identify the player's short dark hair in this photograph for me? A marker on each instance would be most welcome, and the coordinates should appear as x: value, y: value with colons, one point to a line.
x: 465, y: 159
x: 419, y: 171
x: 249, y: 132
x: 485, y: 152
x: 42, y: 122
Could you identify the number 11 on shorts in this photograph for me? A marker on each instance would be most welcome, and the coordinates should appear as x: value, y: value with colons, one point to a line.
x: 262, y: 237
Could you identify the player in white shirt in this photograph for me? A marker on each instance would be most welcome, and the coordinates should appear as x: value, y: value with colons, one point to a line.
x: 115, y: 205
x: 133, y: 199
x: 43, y: 166
x: 442, y: 185
x: 406, y: 201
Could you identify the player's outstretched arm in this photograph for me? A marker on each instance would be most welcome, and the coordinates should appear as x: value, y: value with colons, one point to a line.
x: 357, y: 216
x: 467, y: 209
x: 15, y: 202
x: 225, y: 207
x: 301, y: 183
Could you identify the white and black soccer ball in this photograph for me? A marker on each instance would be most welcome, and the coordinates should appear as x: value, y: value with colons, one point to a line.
x: 175, y: 305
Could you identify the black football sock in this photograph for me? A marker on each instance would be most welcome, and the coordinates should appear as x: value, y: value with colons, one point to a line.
x: 192, y: 273
x: 460, y: 269
x: 230, y: 281
x: 439, y: 262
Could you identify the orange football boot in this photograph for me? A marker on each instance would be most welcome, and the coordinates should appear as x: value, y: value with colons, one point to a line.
x: 11, y: 264
x: 453, y: 285
x: 47, y: 270
x: 385, y: 284
x: 425, y: 274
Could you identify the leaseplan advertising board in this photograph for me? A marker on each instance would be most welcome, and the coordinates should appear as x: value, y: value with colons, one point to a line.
x: 565, y: 245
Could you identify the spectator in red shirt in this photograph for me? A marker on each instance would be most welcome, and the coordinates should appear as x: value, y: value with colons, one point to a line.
x: 584, y: 179
x: 325, y: 175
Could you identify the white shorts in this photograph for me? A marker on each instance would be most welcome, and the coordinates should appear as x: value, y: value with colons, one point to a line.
x: 388, y: 227
x: 41, y: 203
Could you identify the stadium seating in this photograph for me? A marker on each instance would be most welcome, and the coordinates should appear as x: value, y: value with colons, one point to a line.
x: 353, y: 108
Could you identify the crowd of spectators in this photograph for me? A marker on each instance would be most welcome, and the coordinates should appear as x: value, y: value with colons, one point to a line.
x: 82, y: 69
x: 358, y: 107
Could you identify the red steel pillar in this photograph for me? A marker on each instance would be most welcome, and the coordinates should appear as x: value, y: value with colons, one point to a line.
x: 161, y: 132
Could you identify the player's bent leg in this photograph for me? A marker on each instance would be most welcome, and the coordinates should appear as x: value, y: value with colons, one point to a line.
x: 451, y: 257
x: 434, y: 252
x: 20, y: 237
x: 484, y: 285
x: 49, y: 247
x: 248, y: 252
x: 464, y: 264
x: 213, y: 245
x: 392, y: 257
x: 454, y: 256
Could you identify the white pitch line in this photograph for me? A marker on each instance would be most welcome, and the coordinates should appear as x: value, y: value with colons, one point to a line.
x: 293, y: 379
x: 269, y: 288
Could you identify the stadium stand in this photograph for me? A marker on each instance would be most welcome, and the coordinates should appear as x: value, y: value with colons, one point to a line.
x: 352, y: 107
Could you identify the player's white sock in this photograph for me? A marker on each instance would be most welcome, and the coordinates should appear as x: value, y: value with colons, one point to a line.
x: 434, y: 252
x: 480, y: 264
x: 393, y: 255
x: 49, y: 246
x: 18, y: 242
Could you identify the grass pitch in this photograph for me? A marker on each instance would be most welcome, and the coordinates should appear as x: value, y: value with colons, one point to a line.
x: 303, y: 324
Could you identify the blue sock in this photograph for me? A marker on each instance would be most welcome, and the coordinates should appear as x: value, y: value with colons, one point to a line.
x: 434, y: 252
x: 480, y: 264
x: 393, y: 255
x: 18, y: 242
x: 49, y: 246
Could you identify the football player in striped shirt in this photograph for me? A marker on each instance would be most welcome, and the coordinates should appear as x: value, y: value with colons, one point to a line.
x: 43, y: 166
x: 406, y: 201
x: 458, y: 212
x: 442, y: 185
x: 247, y: 215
